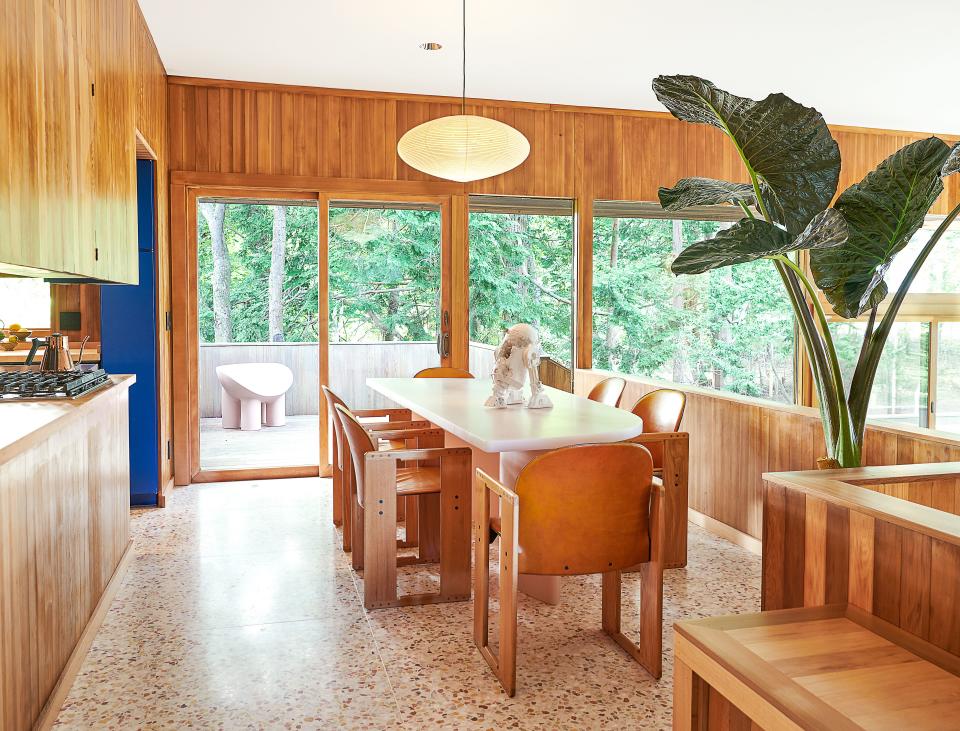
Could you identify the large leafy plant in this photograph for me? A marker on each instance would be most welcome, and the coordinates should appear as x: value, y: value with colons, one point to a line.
x: 793, y: 164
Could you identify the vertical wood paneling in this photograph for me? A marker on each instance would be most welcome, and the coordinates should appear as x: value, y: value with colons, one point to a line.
x: 945, y: 596
x: 915, y: 583
x: 774, y: 547
x: 837, y: 558
x: 815, y: 552
x: 734, y: 440
x: 890, y: 570
x: 64, y: 516
x: 794, y: 534
x: 886, y: 571
x: 861, y: 561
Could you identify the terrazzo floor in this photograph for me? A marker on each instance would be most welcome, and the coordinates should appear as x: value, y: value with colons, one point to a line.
x: 239, y: 612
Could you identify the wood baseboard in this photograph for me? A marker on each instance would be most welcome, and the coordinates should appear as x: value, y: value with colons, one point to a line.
x: 58, y: 695
x: 257, y: 473
x: 164, y: 491
x: 722, y: 530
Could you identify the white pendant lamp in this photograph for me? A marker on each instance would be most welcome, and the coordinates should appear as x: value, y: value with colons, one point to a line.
x: 463, y: 147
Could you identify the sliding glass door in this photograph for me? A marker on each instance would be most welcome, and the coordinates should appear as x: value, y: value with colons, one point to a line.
x: 257, y: 327
x: 384, y: 294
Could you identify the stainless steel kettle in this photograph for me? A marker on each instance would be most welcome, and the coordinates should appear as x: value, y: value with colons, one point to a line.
x: 56, y: 353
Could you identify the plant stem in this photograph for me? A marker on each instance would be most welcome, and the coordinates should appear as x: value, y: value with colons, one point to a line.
x: 847, y: 449
x: 869, y: 360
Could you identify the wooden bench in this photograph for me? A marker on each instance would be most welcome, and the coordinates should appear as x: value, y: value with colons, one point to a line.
x: 832, y: 667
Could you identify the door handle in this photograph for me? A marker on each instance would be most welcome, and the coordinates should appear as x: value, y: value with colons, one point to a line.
x: 443, y: 337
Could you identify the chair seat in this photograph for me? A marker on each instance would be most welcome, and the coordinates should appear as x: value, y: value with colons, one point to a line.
x: 418, y: 481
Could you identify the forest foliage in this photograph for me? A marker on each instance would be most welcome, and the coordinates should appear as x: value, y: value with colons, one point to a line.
x: 727, y: 329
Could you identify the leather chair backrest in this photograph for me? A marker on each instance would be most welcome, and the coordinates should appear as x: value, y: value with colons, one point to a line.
x: 661, y: 411
x: 443, y: 372
x: 332, y: 401
x: 585, y: 509
x: 608, y: 391
x: 360, y: 442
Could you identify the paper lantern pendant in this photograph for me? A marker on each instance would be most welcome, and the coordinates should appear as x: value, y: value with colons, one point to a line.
x: 463, y: 147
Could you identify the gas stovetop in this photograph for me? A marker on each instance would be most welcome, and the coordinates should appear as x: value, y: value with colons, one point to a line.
x: 18, y: 385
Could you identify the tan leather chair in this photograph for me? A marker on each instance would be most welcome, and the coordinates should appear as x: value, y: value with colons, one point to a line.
x: 661, y: 411
x: 397, y: 419
x: 440, y: 478
x: 589, y: 509
x: 443, y: 372
x: 608, y: 391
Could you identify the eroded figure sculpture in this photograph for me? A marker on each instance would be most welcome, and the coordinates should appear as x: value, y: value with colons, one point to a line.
x: 518, y: 358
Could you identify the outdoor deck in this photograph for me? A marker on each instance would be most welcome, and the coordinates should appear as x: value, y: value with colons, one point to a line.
x: 296, y: 443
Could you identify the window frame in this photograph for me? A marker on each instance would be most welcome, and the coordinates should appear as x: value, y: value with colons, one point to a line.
x: 602, y: 208
x: 932, y: 308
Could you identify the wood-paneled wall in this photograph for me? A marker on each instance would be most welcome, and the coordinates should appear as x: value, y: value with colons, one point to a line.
x: 67, y: 182
x: 64, y: 527
x: 152, y: 124
x: 828, y: 542
x: 266, y: 129
x: 735, y: 439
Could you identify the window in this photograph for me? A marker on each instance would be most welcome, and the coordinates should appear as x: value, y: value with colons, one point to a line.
x: 916, y: 383
x: 941, y: 271
x: 24, y: 302
x: 521, y: 270
x: 947, y: 406
x: 730, y: 328
x: 901, y: 387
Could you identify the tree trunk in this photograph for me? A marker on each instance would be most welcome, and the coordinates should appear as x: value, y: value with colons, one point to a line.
x: 680, y: 354
x: 725, y: 336
x: 277, y: 271
x: 222, y: 325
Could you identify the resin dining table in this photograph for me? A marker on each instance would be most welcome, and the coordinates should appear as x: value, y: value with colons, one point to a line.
x: 503, y: 441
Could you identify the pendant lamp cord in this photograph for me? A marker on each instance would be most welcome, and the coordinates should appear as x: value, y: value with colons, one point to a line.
x: 463, y: 88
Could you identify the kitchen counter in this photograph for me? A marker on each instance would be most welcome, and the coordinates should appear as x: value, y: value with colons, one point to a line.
x: 24, y: 423
x: 64, y: 540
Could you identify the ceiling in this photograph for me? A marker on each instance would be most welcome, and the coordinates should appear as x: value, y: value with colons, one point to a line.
x: 875, y: 63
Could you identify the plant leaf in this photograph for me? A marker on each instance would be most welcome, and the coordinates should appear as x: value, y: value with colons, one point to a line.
x: 752, y: 239
x: 883, y: 211
x: 705, y: 192
x: 787, y: 145
x: 952, y: 165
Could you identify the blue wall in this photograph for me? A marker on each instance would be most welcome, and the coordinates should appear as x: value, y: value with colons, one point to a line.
x: 129, y: 345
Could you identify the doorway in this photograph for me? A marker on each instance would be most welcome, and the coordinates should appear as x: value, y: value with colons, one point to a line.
x: 322, y: 287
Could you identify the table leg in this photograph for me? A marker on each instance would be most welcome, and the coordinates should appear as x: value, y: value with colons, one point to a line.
x: 544, y: 588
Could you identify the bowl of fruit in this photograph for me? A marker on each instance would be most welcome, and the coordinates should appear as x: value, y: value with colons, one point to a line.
x: 11, y: 337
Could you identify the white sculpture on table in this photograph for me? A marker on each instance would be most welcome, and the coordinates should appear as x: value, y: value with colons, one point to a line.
x: 517, y: 358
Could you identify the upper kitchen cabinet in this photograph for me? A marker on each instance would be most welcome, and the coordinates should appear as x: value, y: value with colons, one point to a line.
x: 68, y: 132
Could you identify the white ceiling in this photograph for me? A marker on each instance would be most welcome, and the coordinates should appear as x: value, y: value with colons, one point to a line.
x: 876, y: 63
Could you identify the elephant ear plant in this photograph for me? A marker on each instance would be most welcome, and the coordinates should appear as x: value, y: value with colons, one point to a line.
x: 793, y: 164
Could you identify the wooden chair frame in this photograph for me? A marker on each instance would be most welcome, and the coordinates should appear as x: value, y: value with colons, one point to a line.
x: 675, y: 478
x: 419, y: 510
x: 399, y: 415
x: 649, y: 653
x: 380, y: 526
x: 504, y: 666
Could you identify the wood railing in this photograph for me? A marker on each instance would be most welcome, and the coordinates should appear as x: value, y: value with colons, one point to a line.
x: 735, y: 439
x: 350, y: 363
x: 838, y: 536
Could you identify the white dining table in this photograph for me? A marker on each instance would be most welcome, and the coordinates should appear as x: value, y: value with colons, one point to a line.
x: 503, y: 441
